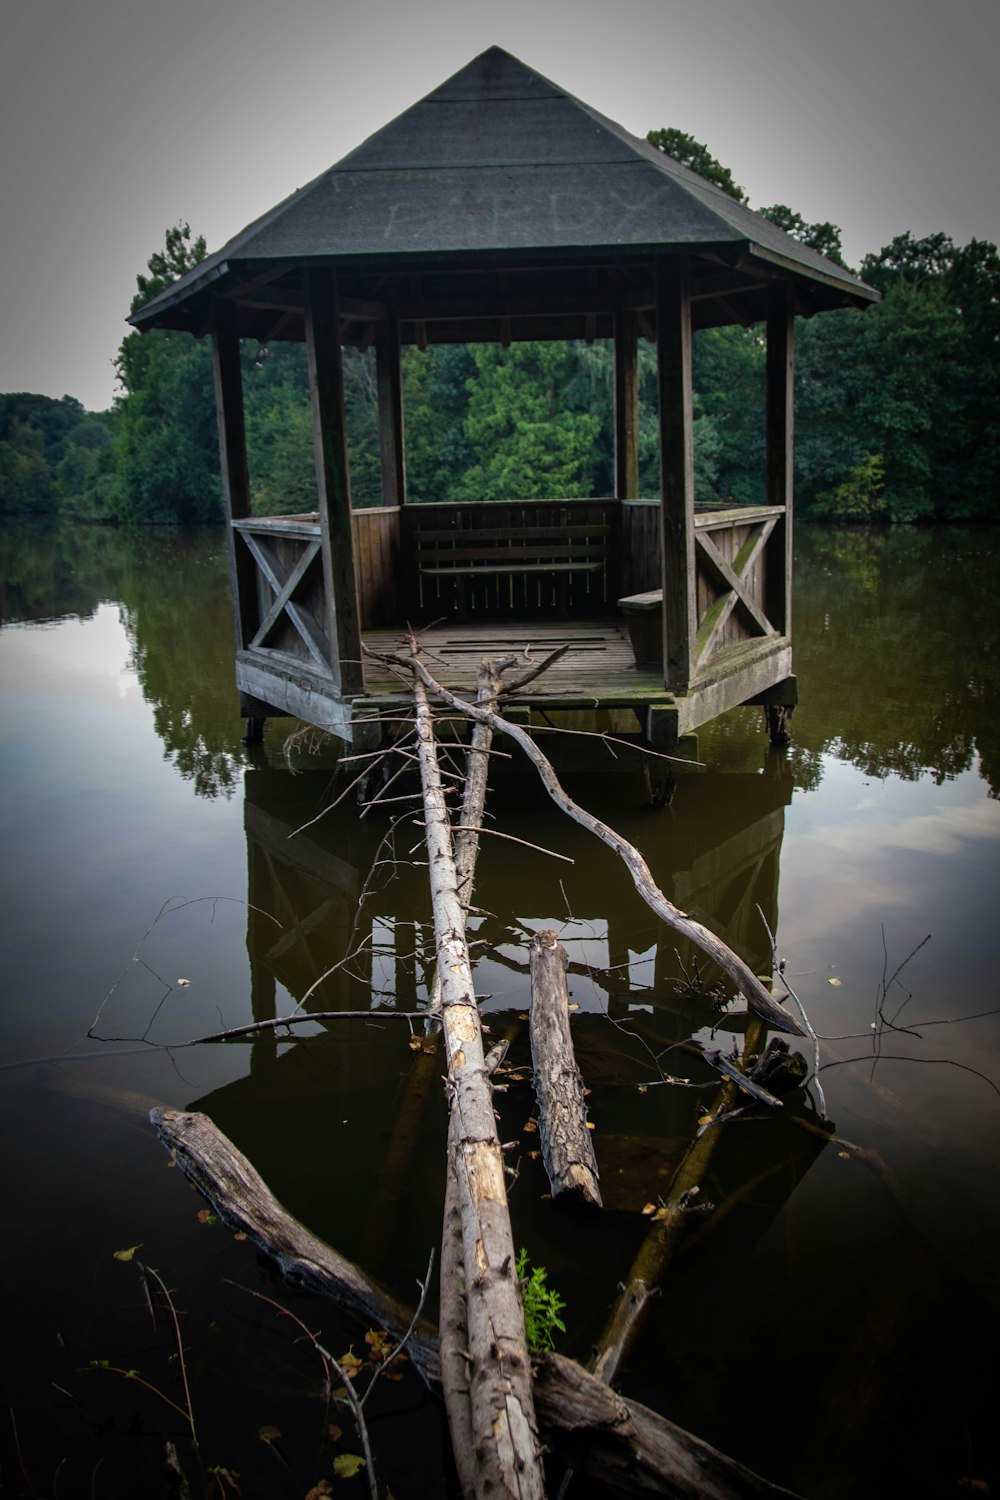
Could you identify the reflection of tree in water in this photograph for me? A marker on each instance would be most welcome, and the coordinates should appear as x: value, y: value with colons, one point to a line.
x: 48, y: 572
x: 172, y: 588
x: 896, y: 645
x: 176, y: 610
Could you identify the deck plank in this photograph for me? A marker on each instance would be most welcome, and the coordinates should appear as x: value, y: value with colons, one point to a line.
x: 598, y: 665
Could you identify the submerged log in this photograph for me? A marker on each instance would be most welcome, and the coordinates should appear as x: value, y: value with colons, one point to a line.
x: 567, y: 1149
x: 658, y: 1248
x: 623, y: 1445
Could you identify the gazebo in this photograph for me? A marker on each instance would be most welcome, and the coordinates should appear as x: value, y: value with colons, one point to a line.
x: 500, y: 208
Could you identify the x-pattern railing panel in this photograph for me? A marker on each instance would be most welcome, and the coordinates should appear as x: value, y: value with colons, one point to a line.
x: 284, y: 582
x: 734, y: 580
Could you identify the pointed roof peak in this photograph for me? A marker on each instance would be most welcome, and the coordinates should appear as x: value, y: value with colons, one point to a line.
x: 498, y: 161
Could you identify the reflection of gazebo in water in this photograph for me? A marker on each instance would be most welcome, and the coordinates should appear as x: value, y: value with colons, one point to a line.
x: 306, y: 912
x: 501, y: 209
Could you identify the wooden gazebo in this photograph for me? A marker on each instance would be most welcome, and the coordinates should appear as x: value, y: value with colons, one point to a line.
x: 500, y: 208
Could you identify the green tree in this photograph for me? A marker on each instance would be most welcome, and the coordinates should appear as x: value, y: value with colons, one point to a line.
x: 823, y: 237
x: 166, y: 441
x: 694, y: 154
x: 527, y: 444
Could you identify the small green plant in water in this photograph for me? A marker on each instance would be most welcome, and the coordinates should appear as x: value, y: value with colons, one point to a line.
x: 542, y: 1305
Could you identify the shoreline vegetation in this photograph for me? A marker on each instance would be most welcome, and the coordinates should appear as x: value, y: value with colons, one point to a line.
x: 895, y: 407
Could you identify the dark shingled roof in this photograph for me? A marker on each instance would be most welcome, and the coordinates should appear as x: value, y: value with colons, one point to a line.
x: 499, y: 165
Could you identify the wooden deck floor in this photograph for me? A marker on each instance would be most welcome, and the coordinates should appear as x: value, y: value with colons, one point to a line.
x: 598, y: 670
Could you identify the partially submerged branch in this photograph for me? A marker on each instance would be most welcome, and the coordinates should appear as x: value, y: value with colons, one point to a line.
x: 754, y: 992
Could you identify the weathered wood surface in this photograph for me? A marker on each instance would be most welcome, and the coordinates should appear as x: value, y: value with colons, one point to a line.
x: 512, y: 559
x: 507, y: 1453
x: 326, y: 387
x: 676, y: 422
x: 567, y: 1148
x: 628, y: 1448
x: 242, y: 1198
x: 634, y: 1451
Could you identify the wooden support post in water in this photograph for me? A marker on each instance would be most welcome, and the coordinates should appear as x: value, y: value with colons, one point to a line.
x: 567, y: 1149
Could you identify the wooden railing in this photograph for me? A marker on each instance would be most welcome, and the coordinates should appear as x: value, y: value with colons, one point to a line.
x: 739, y: 583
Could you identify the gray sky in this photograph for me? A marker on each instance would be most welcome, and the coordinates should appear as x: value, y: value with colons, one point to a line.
x: 122, y: 117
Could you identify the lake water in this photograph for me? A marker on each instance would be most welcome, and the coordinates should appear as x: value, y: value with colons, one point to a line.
x: 833, y: 1324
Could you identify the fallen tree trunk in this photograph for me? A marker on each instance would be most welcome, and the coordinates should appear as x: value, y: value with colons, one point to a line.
x: 567, y: 1149
x: 624, y: 1445
x: 507, y: 1459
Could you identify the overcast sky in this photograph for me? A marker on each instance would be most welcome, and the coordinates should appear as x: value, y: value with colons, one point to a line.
x: 122, y: 117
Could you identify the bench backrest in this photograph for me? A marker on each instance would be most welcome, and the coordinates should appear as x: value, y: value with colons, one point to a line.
x: 495, y: 560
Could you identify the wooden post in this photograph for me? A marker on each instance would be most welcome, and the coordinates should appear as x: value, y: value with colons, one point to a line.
x: 326, y: 385
x: 392, y: 450
x: 673, y: 364
x: 233, y: 463
x: 626, y: 406
x: 780, y: 416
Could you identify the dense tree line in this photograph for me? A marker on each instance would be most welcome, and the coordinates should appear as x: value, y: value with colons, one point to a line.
x: 895, y: 406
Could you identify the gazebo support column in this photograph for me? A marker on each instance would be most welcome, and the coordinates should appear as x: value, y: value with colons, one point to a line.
x: 236, y: 491
x: 677, y: 565
x: 626, y: 406
x: 780, y: 452
x: 390, y: 412
x: 780, y: 410
x: 326, y: 386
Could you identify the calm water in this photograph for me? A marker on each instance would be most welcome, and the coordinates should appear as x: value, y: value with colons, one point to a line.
x: 834, y: 1324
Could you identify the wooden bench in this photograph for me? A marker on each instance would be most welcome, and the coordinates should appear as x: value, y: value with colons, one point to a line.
x: 644, y: 618
x: 494, y: 556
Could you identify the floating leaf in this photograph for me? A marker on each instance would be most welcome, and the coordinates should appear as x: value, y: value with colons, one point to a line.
x: 644, y: 1088
x: 184, y: 983
x: 333, y: 1432
x: 319, y: 1491
x: 379, y: 1343
x: 239, y: 1235
x: 269, y: 1434
x: 346, y: 1465
x: 573, y: 1005
x: 531, y: 1125
x: 846, y: 1155
x: 128, y: 1254
x: 591, y: 1125
x: 649, y: 1208
x: 206, y: 1216
x: 415, y: 1044
x: 350, y: 1363
x: 835, y: 982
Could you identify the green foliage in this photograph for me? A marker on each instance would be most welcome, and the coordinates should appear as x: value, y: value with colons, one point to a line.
x: 861, y: 496
x: 180, y: 252
x: 823, y: 237
x: 542, y: 1305
x: 694, y: 154
x: 48, y: 449
x: 527, y: 441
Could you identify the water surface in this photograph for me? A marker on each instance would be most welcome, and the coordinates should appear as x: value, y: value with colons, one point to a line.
x: 833, y: 1324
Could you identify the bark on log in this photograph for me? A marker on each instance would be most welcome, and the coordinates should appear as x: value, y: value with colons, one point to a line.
x: 634, y: 1450
x: 243, y: 1199
x: 507, y: 1456
x: 567, y: 1148
x: 754, y: 992
x: 630, y: 1449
